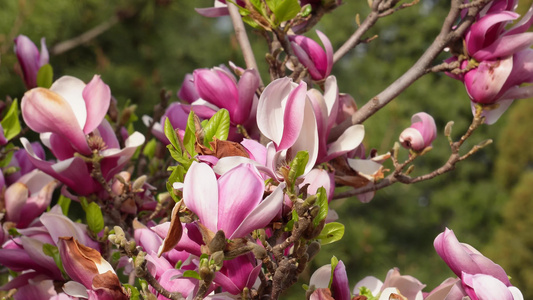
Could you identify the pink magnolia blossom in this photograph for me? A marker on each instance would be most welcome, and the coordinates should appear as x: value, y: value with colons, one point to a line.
x: 405, y: 285
x: 339, y: 288
x: 177, y: 114
x: 30, y: 59
x: 27, y: 198
x: 421, y: 133
x: 218, y: 87
x: 465, y: 258
x: 318, y: 61
x: 21, y: 161
x: 486, y: 287
x: 326, y: 107
x: 222, y: 204
x: 70, y: 117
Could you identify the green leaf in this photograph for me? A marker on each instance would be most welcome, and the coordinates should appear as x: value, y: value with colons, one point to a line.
x: 364, y: 291
x: 306, y: 10
x: 134, y: 292
x: 218, y: 126
x: 64, y: 203
x: 53, y: 252
x: 9, y: 155
x: 10, y: 122
x: 190, y: 135
x: 294, y: 219
x: 322, y: 202
x: 284, y: 10
x: 177, y: 175
x: 171, y: 135
x: 332, y: 232
x: 13, y: 232
x: 334, y: 263
x: 297, y: 165
x: 95, y: 220
x: 45, y: 76
x: 192, y: 274
x: 149, y: 149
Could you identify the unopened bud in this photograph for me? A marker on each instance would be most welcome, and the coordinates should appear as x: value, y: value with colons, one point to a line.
x: 218, y: 243
x: 313, y: 249
x: 484, y: 143
x: 217, y: 259
x: 259, y: 251
x: 138, y: 183
x: 448, y: 128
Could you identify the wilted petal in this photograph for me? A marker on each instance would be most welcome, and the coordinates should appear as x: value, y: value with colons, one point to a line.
x: 80, y: 262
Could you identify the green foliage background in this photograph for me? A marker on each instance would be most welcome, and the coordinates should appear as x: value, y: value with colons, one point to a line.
x: 486, y: 200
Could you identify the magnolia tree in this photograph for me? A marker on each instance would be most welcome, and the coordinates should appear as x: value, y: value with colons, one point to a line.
x: 238, y: 205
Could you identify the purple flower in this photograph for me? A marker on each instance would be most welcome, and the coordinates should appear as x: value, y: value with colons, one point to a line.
x: 70, y: 117
x: 30, y: 59
x: 317, y: 61
x: 339, y: 281
x: 421, y: 133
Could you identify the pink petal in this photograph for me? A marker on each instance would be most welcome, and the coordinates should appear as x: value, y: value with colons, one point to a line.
x: 329, y: 52
x: 485, y: 287
x: 339, y: 284
x: 505, y: 46
x: 493, y: 114
x: 46, y: 111
x: 59, y: 225
x: 308, y: 137
x: 71, y: 89
x: 97, y: 96
x: 15, y: 198
x: 187, y: 91
x: 28, y: 56
x: 306, y: 61
x: 479, y: 34
x: 350, y: 139
x: 485, y: 82
x: 216, y: 87
x: 34, y: 248
x: 262, y: 214
x: 235, y: 203
x: 213, y: 12
x: 200, y: 194
x: 248, y: 84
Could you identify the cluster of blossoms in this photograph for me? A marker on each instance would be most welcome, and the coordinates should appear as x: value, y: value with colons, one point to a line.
x: 253, y: 171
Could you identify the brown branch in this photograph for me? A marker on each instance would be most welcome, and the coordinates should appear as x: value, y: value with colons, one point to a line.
x: 399, y: 176
x: 355, y: 39
x: 444, y: 38
x: 242, y: 38
x: 84, y: 37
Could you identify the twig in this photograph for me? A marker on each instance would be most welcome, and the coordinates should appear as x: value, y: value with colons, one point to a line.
x: 242, y: 38
x: 84, y: 37
x: 399, y: 176
x: 446, y: 36
x: 355, y: 39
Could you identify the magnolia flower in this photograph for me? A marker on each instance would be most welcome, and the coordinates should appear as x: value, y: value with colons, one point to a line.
x: 222, y: 204
x: 465, y: 258
x: 486, y: 287
x: 27, y: 198
x: 340, y: 289
x: 326, y: 107
x: 285, y: 115
x: 86, y: 266
x: 30, y: 59
x: 421, y: 133
x: 70, y: 117
x: 218, y: 88
x: 405, y: 285
x: 177, y: 114
x: 21, y: 161
x: 317, y: 61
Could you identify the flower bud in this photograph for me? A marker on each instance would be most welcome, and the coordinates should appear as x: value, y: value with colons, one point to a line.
x: 421, y: 133
x: 30, y: 59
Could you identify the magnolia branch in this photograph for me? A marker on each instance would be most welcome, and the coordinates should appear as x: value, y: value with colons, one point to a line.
x: 448, y: 34
x: 399, y: 176
x: 242, y: 38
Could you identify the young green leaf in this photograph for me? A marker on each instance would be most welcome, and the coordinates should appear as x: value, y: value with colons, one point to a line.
x: 322, y: 202
x: 45, y: 76
x: 192, y: 274
x: 284, y: 10
x: 53, y: 252
x: 95, y: 219
x: 334, y: 263
x: 10, y: 122
x: 297, y: 165
x: 134, y: 292
x: 331, y: 233
x: 64, y: 203
x: 171, y: 135
x: 190, y: 135
x: 218, y: 126
x: 149, y: 149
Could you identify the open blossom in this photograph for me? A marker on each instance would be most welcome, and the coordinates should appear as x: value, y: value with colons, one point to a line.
x: 318, y: 61
x: 30, y: 59
x: 70, y: 117
x: 421, y: 133
x: 500, y: 59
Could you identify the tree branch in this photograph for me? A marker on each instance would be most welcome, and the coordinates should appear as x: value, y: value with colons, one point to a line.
x: 242, y: 38
x: 446, y: 35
